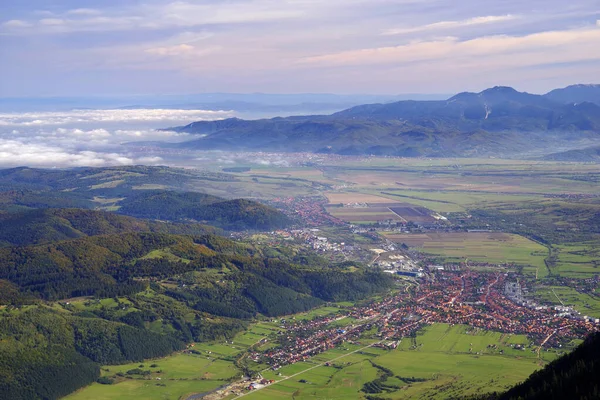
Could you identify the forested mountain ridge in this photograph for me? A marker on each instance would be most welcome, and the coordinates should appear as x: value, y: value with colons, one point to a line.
x: 149, y: 294
x: 49, y: 225
x: 235, y: 214
x: 124, y: 190
x: 497, y: 121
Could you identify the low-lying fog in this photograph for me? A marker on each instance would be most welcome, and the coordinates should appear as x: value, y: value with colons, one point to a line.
x: 91, y: 137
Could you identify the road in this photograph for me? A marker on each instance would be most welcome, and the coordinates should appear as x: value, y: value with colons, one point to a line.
x: 489, y: 288
x: 311, y: 368
x: 323, y: 363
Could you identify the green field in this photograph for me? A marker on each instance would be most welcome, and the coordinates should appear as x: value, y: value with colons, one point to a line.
x: 578, y: 260
x: 454, y: 201
x: 582, y: 302
x: 493, y: 248
x: 445, y: 360
x: 179, y: 374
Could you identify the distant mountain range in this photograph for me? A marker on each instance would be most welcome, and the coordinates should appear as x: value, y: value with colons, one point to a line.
x: 576, y: 94
x: 499, y: 121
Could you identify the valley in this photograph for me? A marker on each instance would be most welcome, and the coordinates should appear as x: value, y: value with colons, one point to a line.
x: 499, y: 253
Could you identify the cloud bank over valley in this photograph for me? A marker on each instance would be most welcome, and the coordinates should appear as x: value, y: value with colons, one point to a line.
x: 90, y: 137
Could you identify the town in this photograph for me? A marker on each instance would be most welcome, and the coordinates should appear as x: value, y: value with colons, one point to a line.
x: 484, y: 300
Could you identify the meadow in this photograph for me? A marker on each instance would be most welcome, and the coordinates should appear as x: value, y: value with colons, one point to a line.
x: 482, y: 247
x: 585, y: 303
x: 441, y: 361
x: 170, y: 378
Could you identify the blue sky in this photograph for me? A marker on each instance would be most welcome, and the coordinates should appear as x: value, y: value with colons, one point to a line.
x: 109, y: 47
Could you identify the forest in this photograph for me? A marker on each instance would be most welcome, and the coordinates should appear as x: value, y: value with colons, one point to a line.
x: 145, y: 295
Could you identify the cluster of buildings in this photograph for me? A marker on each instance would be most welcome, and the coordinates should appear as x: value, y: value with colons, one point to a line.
x: 311, y: 210
x: 312, y: 238
x: 483, y: 300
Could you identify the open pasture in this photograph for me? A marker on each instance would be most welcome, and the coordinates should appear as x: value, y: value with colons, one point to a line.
x: 355, y: 197
x: 170, y: 378
x: 585, y: 303
x: 507, y: 177
x: 578, y: 260
x: 441, y: 362
x: 485, y: 247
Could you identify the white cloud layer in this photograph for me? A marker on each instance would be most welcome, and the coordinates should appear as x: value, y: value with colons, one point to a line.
x: 112, y: 116
x: 445, y: 25
x: 17, y: 153
x: 89, y: 137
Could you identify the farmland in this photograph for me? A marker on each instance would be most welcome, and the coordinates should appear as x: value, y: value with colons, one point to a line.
x: 365, y: 208
x: 585, y: 303
x: 538, y: 218
x: 441, y: 361
x: 484, y: 247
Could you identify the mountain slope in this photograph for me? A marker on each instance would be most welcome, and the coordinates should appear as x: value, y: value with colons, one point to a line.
x: 148, y: 294
x: 572, y: 376
x: 56, y: 224
x: 495, y: 121
x: 127, y: 190
x: 229, y: 214
x: 587, y: 154
x: 576, y: 94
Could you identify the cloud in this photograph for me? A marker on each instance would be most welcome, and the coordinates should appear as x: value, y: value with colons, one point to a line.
x: 165, y: 15
x: 89, y: 137
x: 52, y: 22
x: 112, y: 116
x: 16, y: 23
x: 182, y: 50
x: 445, y: 25
x: 543, y: 47
x: 84, y: 11
x: 187, y: 46
x: 17, y: 153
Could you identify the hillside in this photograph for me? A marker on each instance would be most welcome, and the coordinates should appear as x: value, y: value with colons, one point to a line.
x: 496, y: 121
x: 58, y: 224
x: 149, y: 294
x: 137, y: 191
x: 576, y: 94
x: 236, y: 214
x: 587, y: 154
x: 572, y: 376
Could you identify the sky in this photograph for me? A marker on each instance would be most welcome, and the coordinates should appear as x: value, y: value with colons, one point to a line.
x: 110, y: 47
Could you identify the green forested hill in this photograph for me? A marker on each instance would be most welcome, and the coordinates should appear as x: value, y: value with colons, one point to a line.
x: 45, y: 354
x: 138, y: 191
x: 110, y: 265
x: 229, y: 214
x: 148, y: 294
x: 57, y: 224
